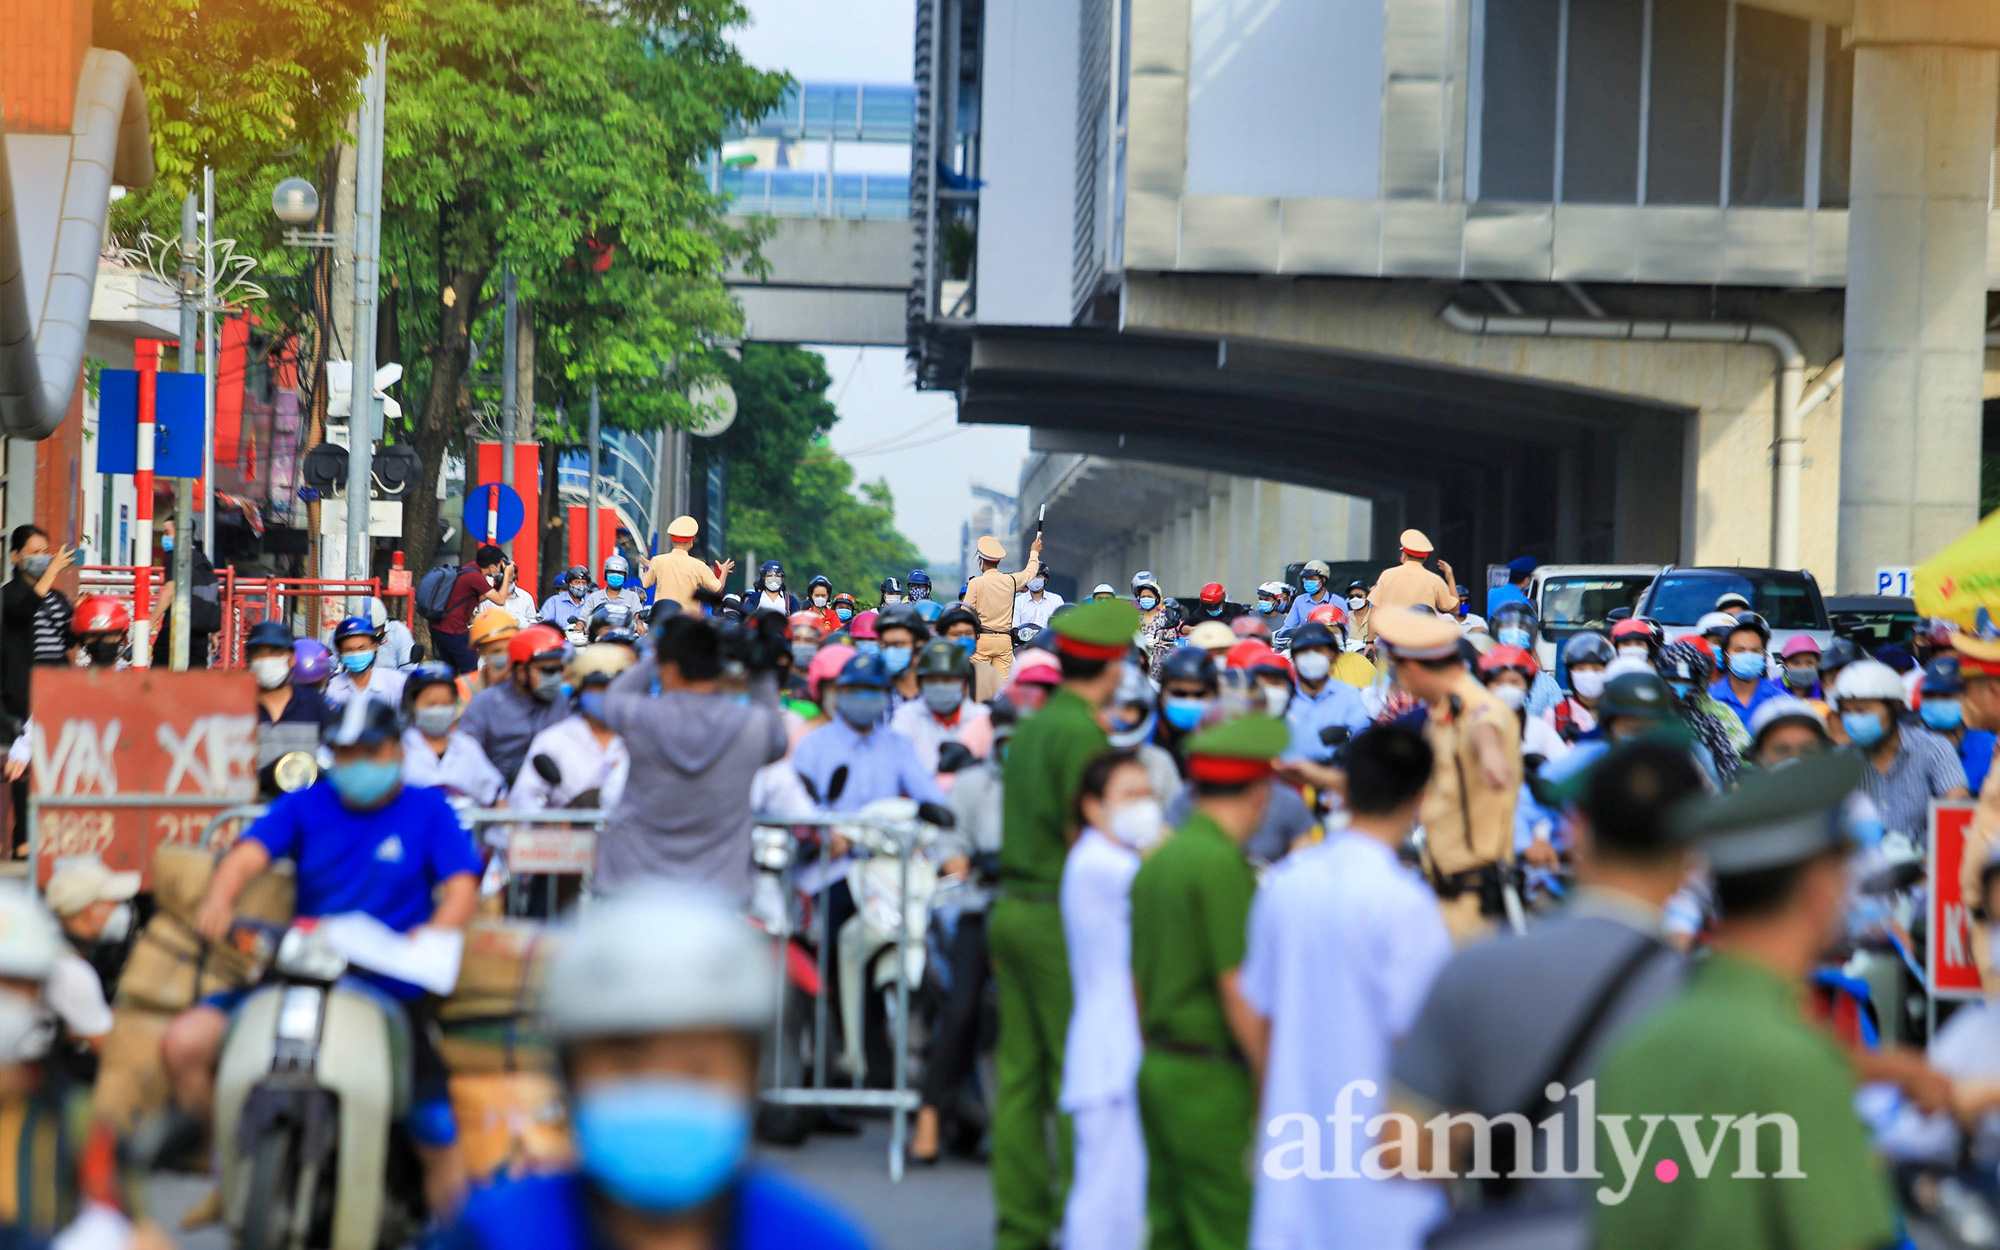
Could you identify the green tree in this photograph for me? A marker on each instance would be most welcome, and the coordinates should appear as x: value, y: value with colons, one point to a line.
x: 789, y: 496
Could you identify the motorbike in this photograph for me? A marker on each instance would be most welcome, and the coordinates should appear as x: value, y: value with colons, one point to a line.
x: 287, y: 759
x: 311, y: 1094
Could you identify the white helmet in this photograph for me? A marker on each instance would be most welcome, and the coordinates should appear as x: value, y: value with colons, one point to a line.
x: 378, y: 614
x: 1870, y: 679
x: 1628, y: 664
x: 1712, y: 622
x: 1277, y: 590
x: 1144, y: 577
x: 30, y: 939
x: 660, y: 960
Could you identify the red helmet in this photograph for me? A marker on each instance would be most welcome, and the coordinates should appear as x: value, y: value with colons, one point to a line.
x: 1504, y: 658
x: 1250, y: 625
x: 1703, y: 645
x: 803, y: 620
x: 1212, y: 593
x: 863, y: 625
x: 534, y: 643
x: 1637, y: 627
x: 101, y: 614
x: 1250, y: 653
x: 1328, y: 614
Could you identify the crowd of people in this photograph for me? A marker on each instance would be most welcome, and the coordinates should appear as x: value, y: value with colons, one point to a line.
x: 1259, y: 895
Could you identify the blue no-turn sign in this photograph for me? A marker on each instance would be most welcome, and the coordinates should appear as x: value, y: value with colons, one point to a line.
x: 490, y: 501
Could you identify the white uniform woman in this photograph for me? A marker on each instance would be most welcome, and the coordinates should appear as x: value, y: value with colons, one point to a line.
x: 1121, y: 820
x: 434, y: 752
x: 588, y: 756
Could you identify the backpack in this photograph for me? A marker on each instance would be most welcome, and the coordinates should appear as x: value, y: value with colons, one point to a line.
x: 434, y: 592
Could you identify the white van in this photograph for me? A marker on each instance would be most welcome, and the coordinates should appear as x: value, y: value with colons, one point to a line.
x: 1572, y: 598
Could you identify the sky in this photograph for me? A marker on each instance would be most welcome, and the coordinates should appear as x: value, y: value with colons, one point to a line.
x: 887, y: 427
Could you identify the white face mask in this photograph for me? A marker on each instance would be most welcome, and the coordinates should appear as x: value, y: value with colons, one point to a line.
x: 1139, y: 824
x: 271, y: 671
x: 1035, y: 584
x: 1588, y: 685
x: 819, y: 601
x: 773, y: 582
x: 1513, y: 696
x: 1357, y: 602
x: 118, y: 924
x: 1277, y: 699
x: 1313, y: 665
x: 1641, y: 650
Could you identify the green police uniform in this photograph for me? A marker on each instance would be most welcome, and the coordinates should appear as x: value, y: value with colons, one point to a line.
x: 1197, y: 1103
x: 1045, y: 763
x: 1736, y: 1044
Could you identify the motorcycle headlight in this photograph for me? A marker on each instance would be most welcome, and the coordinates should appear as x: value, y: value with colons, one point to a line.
x: 771, y: 848
x: 307, y: 956
x: 294, y: 771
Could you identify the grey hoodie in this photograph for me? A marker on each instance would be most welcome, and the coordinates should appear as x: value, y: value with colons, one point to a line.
x: 686, y: 811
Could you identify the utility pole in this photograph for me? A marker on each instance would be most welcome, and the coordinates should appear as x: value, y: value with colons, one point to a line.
x: 361, y: 421
x: 210, y: 360
x: 590, y: 507
x: 184, y: 530
x: 510, y: 393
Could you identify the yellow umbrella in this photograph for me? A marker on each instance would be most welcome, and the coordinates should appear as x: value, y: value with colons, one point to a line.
x: 1962, y: 579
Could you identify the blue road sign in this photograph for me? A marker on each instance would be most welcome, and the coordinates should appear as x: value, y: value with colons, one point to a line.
x: 479, y: 501
x: 178, y: 428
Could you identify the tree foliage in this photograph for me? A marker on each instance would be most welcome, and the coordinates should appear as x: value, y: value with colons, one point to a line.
x: 789, y: 497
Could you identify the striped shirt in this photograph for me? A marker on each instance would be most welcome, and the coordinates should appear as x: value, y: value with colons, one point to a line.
x: 1927, y: 766
x: 52, y: 620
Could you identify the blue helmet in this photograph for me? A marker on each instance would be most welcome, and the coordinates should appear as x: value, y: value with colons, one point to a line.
x: 363, y: 722
x: 864, y: 670
x: 269, y: 634
x: 919, y: 578
x: 353, y: 627
x: 771, y: 566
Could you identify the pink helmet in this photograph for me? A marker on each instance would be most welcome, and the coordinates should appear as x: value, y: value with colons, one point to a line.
x: 826, y: 662
x: 1800, y: 644
x: 863, y: 625
x: 1036, y: 665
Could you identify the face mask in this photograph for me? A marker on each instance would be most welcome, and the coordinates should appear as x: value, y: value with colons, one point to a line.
x: 613, y: 581
x: 1313, y: 665
x: 1943, y: 715
x: 577, y: 590
x: 895, y: 659
x: 547, y: 687
x: 167, y: 543
x: 968, y: 644
x: 1588, y: 685
x: 1266, y: 606
x: 1139, y: 824
x: 1184, y: 714
x: 944, y: 698
x: 436, y: 720
x: 1639, y: 649
x: 1357, y: 602
x: 591, y: 704
x: 1869, y: 832
x: 845, y: 614
x: 1513, y: 697
x: 660, y: 1144
x: 105, y: 654
x: 357, y: 661
x: 1035, y: 584
x: 1512, y: 637
x: 35, y: 566
x: 118, y: 925
x: 891, y: 600
x: 1354, y: 645
x: 819, y: 601
x: 1682, y: 689
x: 921, y: 592
x: 1147, y: 603
x: 861, y: 708
x: 867, y: 646
x: 1746, y: 665
x: 773, y: 582
x: 1277, y: 699
x: 496, y: 663
x: 803, y: 653
x: 1864, y: 729
x: 271, y: 671
x: 1801, y: 678
x: 1312, y: 585
x: 364, y: 783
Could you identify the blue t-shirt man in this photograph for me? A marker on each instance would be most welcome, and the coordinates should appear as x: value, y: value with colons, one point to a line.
x: 763, y: 1211
x: 386, y: 861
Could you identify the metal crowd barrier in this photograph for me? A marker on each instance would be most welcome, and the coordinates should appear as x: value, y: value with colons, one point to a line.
x: 871, y: 835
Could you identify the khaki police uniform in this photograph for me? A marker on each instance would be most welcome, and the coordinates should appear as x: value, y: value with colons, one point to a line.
x: 991, y: 598
x: 1982, y: 837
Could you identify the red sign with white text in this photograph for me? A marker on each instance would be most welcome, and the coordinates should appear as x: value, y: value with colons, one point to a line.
x: 189, y: 737
x: 1954, y: 970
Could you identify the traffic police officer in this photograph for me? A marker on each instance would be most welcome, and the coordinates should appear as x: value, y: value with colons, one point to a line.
x: 1410, y: 584
x: 990, y: 595
x: 1199, y: 1077
x: 677, y: 573
x: 1468, y: 813
x: 1044, y: 767
x: 1979, y: 670
x: 1735, y: 1048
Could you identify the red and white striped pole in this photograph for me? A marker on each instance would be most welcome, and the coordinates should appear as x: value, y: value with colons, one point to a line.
x: 148, y: 365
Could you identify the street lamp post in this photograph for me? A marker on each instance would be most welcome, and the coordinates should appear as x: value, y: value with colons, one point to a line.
x: 361, y: 421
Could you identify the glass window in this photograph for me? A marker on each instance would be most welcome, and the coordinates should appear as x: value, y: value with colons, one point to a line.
x: 1571, y: 605
x: 1601, y: 105
x: 1767, y: 128
x: 1836, y: 148
x: 1517, y: 124
x: 1785, y: 602
x: 1684, y: 138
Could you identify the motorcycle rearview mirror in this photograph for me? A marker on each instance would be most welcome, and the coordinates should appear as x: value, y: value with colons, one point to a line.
x: 836, y: 785
x: 546, y: 769
x: 936, y: 814
x: 1335, y: 735
x: 417, y: 653
x: 1618, y: 614
x: 953, y: 756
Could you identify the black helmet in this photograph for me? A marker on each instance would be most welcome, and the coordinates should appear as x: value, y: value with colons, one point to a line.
x: 1312, y: 634
x: 364, y: 722
x: 663, y: 608
x: 1188, y: 664
x: 943, y: 658
x: 821, y: 580
x: 902, y: 616
x: 423, y: 677
x: 890, y: 586
x: 269, y: 634
x: 1942, y: 677
x: 1750, y: 620
x: 1642, y: 695
x: 1842, y: 652
x: 608, y: 615
x: 576, y: 573
x: 1588, y: 647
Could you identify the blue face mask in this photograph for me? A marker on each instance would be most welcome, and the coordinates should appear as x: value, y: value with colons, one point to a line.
x: 364, y: 783
x: 1183, y: 714
x: 845, y: 614
x: 1746, y: 665
x: 1266, y: 606
x: 802, y: 654
x: 1864, y: 729
x: 1943, y: 715
x: 867, y: 646
x: 357, y: 661
x: 612, y: 581
x: 1682, y: 689
x: 167, y: 543
x: 895, y: 659
x: 1147, y: 603
x: 861, y: 708
x: 591, y: 704
x: 968, y: 645
x: 1312, y: 585
x: 1513, y: 638
x: 660, y: 1144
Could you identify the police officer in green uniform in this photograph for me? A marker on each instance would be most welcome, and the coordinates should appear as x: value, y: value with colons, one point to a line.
x: 1199, y: 1078
x: 1736, y: 1044
x: 1044, y: 767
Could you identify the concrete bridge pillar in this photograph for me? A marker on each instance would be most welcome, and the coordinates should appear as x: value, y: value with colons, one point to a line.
x: 1925, y: 89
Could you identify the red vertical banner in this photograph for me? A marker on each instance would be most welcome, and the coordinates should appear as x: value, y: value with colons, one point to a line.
x: 232, y: 356
x: 579, y: 537
x: 1954, y: 969
x: 527, y: 484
